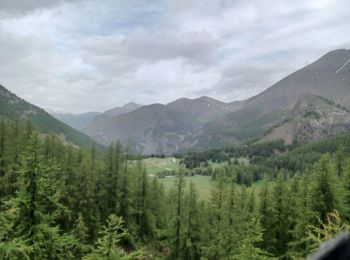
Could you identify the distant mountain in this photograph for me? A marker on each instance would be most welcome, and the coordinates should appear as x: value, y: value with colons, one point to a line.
x: 131, y: 106
x: 328, y: 77
x: 98, y: 122
x: 77, y: 121
x: 82, y: 121
x: 312, y: 118
x: 203, y: 109
x: 206, y: 123
x: 158, y: 128
x: 149, y: 129
x: 12, y: 106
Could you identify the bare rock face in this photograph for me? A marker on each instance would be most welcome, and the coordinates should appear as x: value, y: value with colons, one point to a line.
x: 312, y: 118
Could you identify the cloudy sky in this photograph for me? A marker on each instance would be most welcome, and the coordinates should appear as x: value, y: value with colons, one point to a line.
x: 91, y: 55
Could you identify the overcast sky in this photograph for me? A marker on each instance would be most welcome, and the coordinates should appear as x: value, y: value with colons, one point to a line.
x: 92, y: 55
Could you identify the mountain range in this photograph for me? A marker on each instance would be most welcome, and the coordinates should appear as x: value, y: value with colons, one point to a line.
x: 206, y: 123
x: 307, y: 105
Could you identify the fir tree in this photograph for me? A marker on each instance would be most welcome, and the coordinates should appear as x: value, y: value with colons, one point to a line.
x: 108, y: 246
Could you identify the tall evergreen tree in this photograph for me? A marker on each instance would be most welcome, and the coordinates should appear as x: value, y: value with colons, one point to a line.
x: 323, y: 197
x: 29, y: 217
x: 193, y: 226
x: 108, y: 246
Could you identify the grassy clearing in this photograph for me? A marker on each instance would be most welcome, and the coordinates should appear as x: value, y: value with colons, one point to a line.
x: 156, y: 165
x: 203, y: 184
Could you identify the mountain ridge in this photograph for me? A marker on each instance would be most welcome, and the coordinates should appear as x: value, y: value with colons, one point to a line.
x: 12, y: 106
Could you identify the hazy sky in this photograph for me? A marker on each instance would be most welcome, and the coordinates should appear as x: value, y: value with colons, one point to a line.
x: 91, y: 55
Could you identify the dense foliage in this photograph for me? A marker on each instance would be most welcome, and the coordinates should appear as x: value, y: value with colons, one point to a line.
x: 60, y: 202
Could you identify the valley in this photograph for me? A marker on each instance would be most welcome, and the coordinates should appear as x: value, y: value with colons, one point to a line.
x: 174, y: 130
x: 203, y: 123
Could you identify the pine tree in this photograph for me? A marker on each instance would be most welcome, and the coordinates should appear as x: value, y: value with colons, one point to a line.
x: 108, y: 246
x: 323, y: 197
x: 158, y: 208
x: 111, y: 182
x: 176, y: 234
x: 346, y: 188
x: 267, y: 215
x: 80, y: 232
x: 325, y: 231
x: 218, y: 225
x: 2, y: 149
x: 143, y: 212
x: 281, y: 223
x: 29, y: 217
x: 193, y: 226
x: 248, y: 249
x: 339, y: 162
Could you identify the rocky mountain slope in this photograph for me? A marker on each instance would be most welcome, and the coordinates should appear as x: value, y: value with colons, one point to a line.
x: 12, y: 106
x: 312, y: 118
x: 329, y: 77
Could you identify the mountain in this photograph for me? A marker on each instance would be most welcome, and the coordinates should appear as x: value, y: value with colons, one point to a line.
x: 82, y: 121
x: 206, y: 123
x: 77, y: 121
x: 204, y: 108
x: 329, y: 77
x: 12, y: 106
x: 158, y: 128
x: 149, y: 129
x: 98, y: 122
x: 312, y: 118
x: 128, y: 107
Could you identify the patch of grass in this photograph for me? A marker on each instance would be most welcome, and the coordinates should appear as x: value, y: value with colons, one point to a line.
x: 217, y: 164
x: 243, y: 161
x: 157, y: 165
x: 203, y: 184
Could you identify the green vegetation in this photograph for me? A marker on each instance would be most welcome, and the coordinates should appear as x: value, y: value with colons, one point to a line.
x: 203, y: 184
x: 158, y: 165
x: 261, y: 202
x: 15, y: 108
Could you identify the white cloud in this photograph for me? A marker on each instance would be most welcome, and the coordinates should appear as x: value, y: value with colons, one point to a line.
x: 77, y: 56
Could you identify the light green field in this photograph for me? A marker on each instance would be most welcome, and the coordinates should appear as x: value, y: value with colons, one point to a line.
x: 203, y: 184
x: 156, y: 165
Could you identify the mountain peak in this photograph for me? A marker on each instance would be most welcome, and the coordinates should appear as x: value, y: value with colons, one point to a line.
x: 131, y: 104
x: 338, y: 52
x: 128, y: 107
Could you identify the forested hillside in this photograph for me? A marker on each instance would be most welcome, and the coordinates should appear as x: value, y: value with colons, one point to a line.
x: 16, y: 108
x: 60, y: 202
